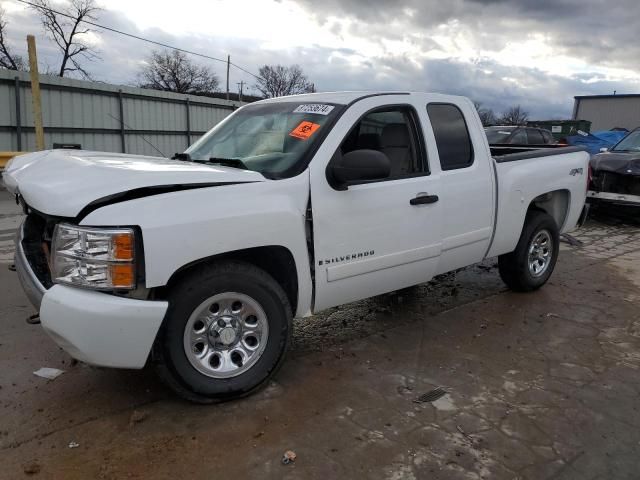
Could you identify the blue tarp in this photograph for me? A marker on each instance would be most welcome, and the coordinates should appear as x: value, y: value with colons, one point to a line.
x: 593, y: 142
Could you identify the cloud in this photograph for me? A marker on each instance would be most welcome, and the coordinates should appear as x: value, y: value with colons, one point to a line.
x: 591, y: 30
x: 537, y: 54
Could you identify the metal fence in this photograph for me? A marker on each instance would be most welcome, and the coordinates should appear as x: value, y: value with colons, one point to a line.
x: 104, y: 117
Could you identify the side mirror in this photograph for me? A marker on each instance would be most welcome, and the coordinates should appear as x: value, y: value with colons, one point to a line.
x: 604, y: 149
x: 360, y: 166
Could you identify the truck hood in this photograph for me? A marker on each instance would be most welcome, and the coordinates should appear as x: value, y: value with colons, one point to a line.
x: 63, y: 182
x: 625, y: 163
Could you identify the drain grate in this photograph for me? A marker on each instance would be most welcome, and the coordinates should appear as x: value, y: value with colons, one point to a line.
x: 431, y: 396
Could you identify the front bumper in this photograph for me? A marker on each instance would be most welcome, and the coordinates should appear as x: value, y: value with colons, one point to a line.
x: 617, y: 198
x: 30, y: 283
x: 101, y: 329
x: 94, y: 327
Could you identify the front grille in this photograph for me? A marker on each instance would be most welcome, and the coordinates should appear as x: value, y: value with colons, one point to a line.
x: 616, y: 183
x: 36, y: 243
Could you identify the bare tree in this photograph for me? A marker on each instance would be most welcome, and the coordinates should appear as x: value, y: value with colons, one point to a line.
x: 487, y: 117
x: 173, y: 71
x: 63, y: 26
x: 7, y: 59
x: 278, y: 80
x: 514, y: 116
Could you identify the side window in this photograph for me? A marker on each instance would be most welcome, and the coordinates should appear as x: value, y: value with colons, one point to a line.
x: 519, y: 137
x: 393, y: 132
x: 535, y: 137
x: 452, y: 136
x: 548, y: 138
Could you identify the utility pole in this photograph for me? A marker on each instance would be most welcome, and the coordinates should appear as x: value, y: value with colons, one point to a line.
x: 35, y: 92
x: 240, y: 90
x: 228, y: 67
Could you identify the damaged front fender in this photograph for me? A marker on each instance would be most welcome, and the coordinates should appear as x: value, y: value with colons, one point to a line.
x: 615, y: 178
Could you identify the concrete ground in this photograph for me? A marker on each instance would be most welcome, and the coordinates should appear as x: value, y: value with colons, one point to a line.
x: 540, y: 385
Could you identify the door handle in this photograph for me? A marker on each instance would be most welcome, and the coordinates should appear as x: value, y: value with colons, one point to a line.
x: 422, y: 199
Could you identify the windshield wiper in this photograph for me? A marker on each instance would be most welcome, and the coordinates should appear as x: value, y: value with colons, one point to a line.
x: 185, y: 157
x: 224, y: 162
x: 229, y: 162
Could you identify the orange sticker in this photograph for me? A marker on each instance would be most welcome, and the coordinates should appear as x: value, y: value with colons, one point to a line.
x: 304, y: 130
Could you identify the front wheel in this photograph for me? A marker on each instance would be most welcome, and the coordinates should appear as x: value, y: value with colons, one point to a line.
x: 531, y: 264
x: 225, y: 333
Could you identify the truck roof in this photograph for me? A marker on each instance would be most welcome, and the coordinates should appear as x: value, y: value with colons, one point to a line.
x: 345, y: 98
x: 341, y: 98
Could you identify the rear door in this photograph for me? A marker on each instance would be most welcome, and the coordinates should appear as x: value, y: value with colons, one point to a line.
x: 467, y: 183
x: 377, y: 236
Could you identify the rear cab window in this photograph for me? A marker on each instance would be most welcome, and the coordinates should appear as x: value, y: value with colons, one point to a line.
x: 452, y: 136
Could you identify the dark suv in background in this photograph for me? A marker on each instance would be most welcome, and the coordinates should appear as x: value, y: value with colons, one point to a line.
x: 514, y: 135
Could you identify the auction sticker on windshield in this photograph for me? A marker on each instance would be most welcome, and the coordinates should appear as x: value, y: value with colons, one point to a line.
x: 304, y: 130
x: 316, y: 108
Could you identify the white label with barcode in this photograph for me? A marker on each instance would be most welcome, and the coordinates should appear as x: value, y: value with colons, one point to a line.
x: 317, y: 108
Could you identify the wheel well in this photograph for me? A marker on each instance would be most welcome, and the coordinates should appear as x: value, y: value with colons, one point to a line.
x: 554, y: 203
x: 277, y: 261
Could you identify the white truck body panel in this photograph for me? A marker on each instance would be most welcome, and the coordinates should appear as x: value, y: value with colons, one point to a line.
x: 467, y: 194
x: 405, y: 241
x: 263, y: 214
x: 519, y: 182
x: 63, y: 182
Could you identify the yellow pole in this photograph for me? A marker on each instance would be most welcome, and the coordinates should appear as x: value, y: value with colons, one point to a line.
x: 35, y: 92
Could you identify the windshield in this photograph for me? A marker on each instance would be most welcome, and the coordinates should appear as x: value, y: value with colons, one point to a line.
x: 274, y: 139
x: 498, y: 134
x: 630, y: 143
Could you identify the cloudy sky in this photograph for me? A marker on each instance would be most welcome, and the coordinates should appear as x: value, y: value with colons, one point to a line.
x: 537, y: 53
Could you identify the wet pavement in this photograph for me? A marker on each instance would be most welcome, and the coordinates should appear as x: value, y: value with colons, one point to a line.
x: 540, y: 385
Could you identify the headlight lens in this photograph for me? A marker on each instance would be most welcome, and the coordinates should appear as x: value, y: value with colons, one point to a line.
x: 103, y: 259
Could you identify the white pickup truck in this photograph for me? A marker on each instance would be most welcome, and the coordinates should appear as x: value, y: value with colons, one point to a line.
x: 289, y: 206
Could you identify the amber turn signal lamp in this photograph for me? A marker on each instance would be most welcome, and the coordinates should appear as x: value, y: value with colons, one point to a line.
x: 123, y: 275
x: 123, y: 246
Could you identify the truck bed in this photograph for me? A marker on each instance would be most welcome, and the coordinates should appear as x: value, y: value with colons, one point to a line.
x: 512, y: 153
x: 554, y: 177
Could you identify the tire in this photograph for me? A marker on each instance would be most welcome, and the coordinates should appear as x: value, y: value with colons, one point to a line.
x: 192, y: 333
x: 515, y: 268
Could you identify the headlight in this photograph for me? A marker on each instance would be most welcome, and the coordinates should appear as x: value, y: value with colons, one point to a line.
x: 102, y: 259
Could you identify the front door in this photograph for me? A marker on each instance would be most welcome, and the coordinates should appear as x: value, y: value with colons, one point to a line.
x: 381, y: 235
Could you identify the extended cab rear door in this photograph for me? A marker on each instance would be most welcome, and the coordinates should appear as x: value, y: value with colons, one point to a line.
x: 467, y: 180
x: 383, y: 235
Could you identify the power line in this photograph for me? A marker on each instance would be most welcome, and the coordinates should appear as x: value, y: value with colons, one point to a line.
x: 120, y: 32
x: 257, y: 77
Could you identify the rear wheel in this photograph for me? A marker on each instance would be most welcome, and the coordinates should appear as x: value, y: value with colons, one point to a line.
x: 225, y: 333
x: 531, y: 264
